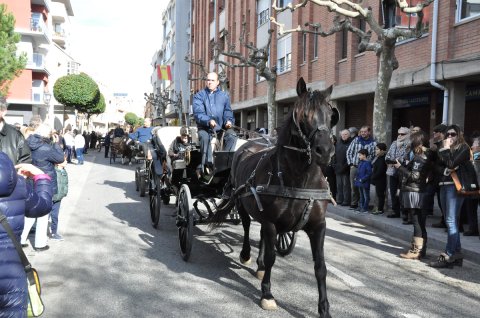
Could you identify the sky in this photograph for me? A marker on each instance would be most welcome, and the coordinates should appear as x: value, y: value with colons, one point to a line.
x: 115, y: 41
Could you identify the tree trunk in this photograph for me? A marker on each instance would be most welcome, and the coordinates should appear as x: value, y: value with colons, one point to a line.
x: 272, y: 106
x: 381, y: 92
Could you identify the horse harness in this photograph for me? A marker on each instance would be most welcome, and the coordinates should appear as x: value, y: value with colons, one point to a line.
x: 311, y: 195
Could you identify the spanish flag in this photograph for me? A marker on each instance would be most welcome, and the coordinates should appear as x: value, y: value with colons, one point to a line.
x: 164, y: 72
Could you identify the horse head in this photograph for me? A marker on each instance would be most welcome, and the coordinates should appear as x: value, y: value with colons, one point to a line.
x: 311, y: 121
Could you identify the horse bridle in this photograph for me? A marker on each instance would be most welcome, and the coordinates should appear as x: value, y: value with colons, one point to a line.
x: 306, y: 140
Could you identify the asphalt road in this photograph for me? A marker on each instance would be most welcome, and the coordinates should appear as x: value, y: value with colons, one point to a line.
x: 113, y: 263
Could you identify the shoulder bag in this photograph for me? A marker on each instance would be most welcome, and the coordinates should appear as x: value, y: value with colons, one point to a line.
x: 465, y: 181
x: 35, y: 303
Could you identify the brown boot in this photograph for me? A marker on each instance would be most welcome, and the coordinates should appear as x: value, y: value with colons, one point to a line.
x: 414, y: 252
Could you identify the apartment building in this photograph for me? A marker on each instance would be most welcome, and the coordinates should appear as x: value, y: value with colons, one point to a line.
x: 335, y: 60
x: 48, y: 58
x: 174, y: 46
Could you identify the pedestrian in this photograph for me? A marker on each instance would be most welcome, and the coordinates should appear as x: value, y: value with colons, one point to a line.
x: 362, y: 141
x: 108, y: 141
x: 379, y: 177
x: 214, y: 117
x: 69, y: 144
x: 45, y: 155
x: 454, y: 156
x: 414, y: 176
x: 362, y: 180
x: 342, y: 169
x: 18, y: 198
x: 79, y: 145
x: 12, y: 141
x: 397, y: 152
x: 439, y: 132
x: 93, y: 139
x: 86, y: 137
x: 62, y: 191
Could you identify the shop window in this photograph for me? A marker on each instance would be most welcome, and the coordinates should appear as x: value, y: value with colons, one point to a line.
x: 467, y: 9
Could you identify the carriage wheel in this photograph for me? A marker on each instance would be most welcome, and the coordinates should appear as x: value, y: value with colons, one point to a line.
x: 285, y: 243
x: 154, y: 193
x: 185, y: 221
x: 142, y: 181
x: 137, y: 178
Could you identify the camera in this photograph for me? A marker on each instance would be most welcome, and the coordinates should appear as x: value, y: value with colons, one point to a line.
x: 390, y: 161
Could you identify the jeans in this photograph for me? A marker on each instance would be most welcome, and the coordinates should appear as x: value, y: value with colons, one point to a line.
x: 79, y: 152
x: 364, y: 198
x: 205, y: 137
x: 353, y: 188
x: 41, y: 237
x: 451, y: 204
x: 54, y: 216
x: 68, y: 152
x: 343, y: 188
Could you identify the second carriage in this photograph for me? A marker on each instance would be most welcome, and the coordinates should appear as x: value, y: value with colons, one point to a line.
x: 195, y: 198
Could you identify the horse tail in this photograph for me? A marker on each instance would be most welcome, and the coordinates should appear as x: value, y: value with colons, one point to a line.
x: 223, y: 209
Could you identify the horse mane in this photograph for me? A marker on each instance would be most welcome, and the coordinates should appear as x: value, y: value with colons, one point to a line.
x: 306, y: 106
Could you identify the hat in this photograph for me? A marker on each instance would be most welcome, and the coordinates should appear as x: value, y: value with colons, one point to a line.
x: 184, y: 131
x: 403, y: 130
x: 440, y: 128
x: 353, y: 130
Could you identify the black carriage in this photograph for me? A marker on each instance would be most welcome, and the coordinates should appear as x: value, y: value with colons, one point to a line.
x: 195, y: 198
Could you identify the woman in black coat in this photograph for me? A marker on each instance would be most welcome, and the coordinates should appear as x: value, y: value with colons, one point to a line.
x: 379, y: 176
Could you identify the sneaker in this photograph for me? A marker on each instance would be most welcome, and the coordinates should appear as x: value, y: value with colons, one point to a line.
x: 363, y: 211
x: 56, y: 237
x: 443, y: 261
x: 377, y: 212
x: 41, y: 249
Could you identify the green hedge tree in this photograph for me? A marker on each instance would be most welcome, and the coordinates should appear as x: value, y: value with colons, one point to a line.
x: 131, y: 119
x: 11, y: 64
x: 99, y: 107
x: 77, y: 90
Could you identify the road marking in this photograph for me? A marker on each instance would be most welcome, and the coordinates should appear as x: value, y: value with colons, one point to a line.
x: 347, y: 279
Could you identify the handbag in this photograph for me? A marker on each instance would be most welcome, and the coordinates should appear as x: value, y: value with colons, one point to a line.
x: 468, y: 186
x: 35, y: 303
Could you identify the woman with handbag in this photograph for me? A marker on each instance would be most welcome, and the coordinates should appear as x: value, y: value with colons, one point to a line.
x: 454, y: 154
x: 18, y: 198
x: 414, y: 191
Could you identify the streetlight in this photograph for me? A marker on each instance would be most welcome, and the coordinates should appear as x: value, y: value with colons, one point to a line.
x: 46, y: 98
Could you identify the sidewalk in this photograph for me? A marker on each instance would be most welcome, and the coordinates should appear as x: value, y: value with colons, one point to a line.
x: 437, y: 238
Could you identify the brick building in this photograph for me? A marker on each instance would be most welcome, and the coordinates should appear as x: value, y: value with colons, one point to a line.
x: 335, y: 60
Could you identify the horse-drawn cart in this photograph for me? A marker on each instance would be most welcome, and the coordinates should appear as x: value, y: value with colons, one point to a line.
x: 196, y: 199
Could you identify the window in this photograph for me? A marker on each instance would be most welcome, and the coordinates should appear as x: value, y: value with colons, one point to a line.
x: 304, y: 47
x: 344, y: 38
x: 362, y: 25
x: 468, y: 8
x: 283, y: 3
x: 315, y: 43
x: 394, y: 17
x: 284, y: 54
x: 263, y: 17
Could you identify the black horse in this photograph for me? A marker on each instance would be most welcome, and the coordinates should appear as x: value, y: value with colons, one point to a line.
x: 282, y: 187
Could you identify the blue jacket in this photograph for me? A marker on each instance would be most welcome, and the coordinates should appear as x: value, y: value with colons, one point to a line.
x: 208, y: 106
x: 45, y: 155
x: 142, y: 134
x: 364, y: 172
x: 17, y: 199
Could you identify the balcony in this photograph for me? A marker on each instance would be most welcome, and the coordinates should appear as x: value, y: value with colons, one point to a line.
x: 59, y: 37
x: 37, y: 63
x: 38, y: 29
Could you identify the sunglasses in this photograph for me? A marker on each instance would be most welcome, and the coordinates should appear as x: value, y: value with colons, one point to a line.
x: 451, y: 134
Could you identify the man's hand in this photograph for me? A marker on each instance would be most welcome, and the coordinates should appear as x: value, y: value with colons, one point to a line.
x: 228, y: 124
x: 212, y: 123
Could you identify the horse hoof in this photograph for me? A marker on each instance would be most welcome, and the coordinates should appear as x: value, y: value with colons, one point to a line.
x: 260, y: 274
x: 245, y: 262
x: 269, y: 304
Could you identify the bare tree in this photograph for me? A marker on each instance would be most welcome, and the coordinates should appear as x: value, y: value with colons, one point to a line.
x: 256, y: 58
x: 383, y: 46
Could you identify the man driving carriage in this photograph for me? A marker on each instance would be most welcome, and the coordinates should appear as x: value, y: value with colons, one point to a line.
x: 142, y: 135
x: 214, y: 118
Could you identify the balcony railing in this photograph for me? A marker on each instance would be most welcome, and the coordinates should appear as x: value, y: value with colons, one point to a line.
x: 37, y: 61
x: 37, y: 24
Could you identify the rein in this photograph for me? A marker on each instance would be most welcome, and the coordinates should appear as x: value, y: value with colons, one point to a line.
x: 308, y: 149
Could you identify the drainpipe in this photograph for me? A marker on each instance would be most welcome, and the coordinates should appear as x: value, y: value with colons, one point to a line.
x: 433, y: 65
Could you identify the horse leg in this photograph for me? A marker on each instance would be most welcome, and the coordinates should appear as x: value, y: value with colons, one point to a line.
x: 269, y: 238
x: 317, y: 238
x: 245, y: 253
x: 260, y: 258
